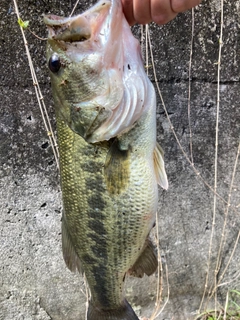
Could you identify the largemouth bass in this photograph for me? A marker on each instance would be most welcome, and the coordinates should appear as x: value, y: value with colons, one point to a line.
x: 110, y: 162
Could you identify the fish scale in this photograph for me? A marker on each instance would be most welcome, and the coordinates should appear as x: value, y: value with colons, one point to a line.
x: 76, y: 169
x: 110, y: 162
x: 75, y: 181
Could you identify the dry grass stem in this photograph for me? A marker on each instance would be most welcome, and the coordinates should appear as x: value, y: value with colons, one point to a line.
x: 198, y: 175
x: 87, y: 294
x: 237, y: 276
x: 230, y: 259
x: 147, y: 43
x: 158, y: 311
x: 39, y: 95
x: 168, y: 293
x: 158, y: 302
x: 223, y: 239
x: 215, y: 165
x: 35, y: 35
x: 74, y: 8
x: 226, y: 306
x: 189, y: 87
x: 159, y: 275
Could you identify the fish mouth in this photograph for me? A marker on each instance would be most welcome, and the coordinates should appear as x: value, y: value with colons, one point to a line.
x: 81, y: 27
x: 65, y: 29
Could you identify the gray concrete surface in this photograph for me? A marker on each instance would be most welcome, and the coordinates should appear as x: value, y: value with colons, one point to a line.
x: 34, y: 282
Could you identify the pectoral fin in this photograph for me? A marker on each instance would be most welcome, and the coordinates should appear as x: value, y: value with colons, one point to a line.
x: 159, y: 167
x: 146, y: 263
x: 70, y: 257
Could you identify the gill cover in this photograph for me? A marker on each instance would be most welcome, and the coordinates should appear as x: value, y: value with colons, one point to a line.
x: 101, y: 89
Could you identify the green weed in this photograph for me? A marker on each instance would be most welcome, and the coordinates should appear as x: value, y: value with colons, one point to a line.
x: 231, y: 311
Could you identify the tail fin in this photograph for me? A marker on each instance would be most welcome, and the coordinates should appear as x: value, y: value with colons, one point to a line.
x: 124, y: 312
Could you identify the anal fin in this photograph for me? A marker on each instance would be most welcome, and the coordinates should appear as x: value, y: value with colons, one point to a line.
x: 70, y: 257
x: 159, y: 167
x: 146, y: 263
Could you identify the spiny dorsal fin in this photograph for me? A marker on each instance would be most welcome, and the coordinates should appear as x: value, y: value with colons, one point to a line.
x: 159, y: 167
x: 146, y: 263
x: 70, y: 257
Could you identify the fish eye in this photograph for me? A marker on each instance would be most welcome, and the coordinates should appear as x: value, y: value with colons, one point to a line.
x: 54, y: 63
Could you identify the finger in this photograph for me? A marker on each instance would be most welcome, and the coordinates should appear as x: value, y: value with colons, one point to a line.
x: 128, y: 11
x: 183, y: 5
x: 142, y: 11
x: 161, y: 11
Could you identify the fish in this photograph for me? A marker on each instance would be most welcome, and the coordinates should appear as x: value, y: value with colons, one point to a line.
x: 110, y: 162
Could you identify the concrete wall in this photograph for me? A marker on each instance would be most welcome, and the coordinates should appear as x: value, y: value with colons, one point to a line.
x: 34, y: 282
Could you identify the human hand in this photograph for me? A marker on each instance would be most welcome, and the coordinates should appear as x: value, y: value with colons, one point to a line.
x: 159, y: 11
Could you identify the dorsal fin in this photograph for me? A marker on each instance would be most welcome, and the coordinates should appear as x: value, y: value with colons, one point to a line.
x: 159, y: 167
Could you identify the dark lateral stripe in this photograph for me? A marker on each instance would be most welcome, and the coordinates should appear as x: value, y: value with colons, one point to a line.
x: 101, y: 287
x: 93, y: 214
x: 98, y: 238
x: 95, y: 183
x: 97, y: 227
x: 90, y: 260
x: 96, y: 201
x: 91, y: 166
x: 100, y: 252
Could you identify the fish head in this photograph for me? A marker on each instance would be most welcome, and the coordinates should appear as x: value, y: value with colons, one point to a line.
x: 86, y: 56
